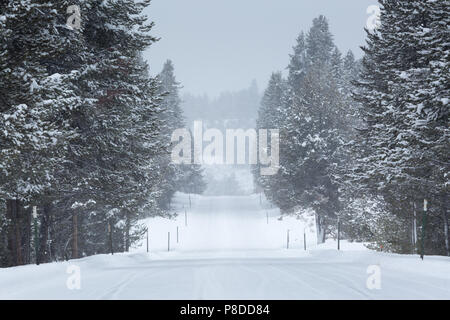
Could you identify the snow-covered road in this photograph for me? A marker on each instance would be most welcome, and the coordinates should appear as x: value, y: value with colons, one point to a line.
x: 319, y: 274
x: 231, y: 250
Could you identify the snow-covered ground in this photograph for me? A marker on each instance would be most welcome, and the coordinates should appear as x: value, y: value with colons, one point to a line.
x: 226, y: 223
x: 232, y: 248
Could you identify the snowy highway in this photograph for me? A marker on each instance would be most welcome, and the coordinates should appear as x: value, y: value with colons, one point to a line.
x: 230, y: 249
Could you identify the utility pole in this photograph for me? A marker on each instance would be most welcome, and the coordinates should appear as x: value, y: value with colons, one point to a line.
x: 36, y: 235
x: 339, y: 233
x: 267, y: 217
x: 177, y: 234
x: 190, y: 204
x: 185, y: 218
x: 424, y: 221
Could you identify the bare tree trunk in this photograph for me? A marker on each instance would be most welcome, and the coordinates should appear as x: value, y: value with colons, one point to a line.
x: 127, y: 232
x: 414, y: 227
x: 444, y: 216
x: 320, y: 229
x: 50, y: 247
x: 111, y: 249
x: 75, y: 235
x: 17, y: 229
x: 11, y: 259
x: 324, y: 233
x: 44, y: 255
x: 27, y: 245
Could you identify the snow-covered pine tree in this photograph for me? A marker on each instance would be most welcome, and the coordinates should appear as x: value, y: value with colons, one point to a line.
x: 113, y: 157
x: 351, y: 68
x: 319, y: 43
x: 297, y: 64
x: 274, y: 113
x: 172, y: 119
x: 271, y: 116
x: 80, y: 126
x: 404, y: 122
x: 311, y: 116
x: 426, y: 81
x: 316, y: 124
x: 186, y: 177
x: 337, y: 66
x: 314, y: 137
x: 34, y: 100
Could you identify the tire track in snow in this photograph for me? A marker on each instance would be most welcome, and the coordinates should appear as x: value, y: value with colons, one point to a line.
x: 298, y: 280
x: 399, y: 281
x: 339, y: 271
x: 319, y: 275
x: 114, y: 291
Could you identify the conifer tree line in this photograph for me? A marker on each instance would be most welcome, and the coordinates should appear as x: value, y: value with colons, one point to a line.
x: 364, y: 142
x: 84, y: 130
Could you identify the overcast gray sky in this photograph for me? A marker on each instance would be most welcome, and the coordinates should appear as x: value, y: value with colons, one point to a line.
x: 221, y: 45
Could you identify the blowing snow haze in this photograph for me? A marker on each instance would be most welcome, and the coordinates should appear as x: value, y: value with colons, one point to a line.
x: 221, y: 46
x: 255, y: 151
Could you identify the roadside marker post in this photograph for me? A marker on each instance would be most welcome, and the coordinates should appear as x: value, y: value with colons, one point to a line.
x: 304, y: 239
x: 168, y: 241
x: 110, y: 238
x: 339, y: 234
x: 36, y: 235
x: 424, y: 223
x: 147, y: 239
x: 287, y: 240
